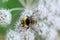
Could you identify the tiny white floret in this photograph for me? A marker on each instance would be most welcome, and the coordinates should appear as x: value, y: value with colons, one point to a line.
x: 5, y: 17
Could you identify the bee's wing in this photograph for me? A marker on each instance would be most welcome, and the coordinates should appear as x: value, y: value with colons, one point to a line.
x: 36, y: 28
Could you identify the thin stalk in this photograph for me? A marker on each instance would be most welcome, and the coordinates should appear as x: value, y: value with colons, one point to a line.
x: 14, y: 9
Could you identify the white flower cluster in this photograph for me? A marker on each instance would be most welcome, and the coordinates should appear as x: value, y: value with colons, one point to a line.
x: 21, y: 33
x: 5, y: 17
x: 14, y: 35
x: 47, y: 14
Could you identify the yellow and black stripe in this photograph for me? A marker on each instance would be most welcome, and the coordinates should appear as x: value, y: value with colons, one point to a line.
x: 28, y: 20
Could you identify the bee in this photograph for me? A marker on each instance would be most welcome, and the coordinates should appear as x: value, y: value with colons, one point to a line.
x: 26, y: 21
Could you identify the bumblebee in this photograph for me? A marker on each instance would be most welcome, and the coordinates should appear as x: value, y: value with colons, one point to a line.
x: 26, y: 21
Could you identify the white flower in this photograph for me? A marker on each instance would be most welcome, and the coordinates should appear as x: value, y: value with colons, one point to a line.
x: 5, y: 17
x: 47, y: 20
x: 47, y: 17
x: 52, y: 35
x: 25, y: 34
x: 14, y: 35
